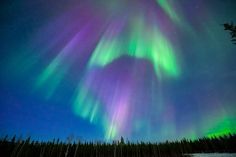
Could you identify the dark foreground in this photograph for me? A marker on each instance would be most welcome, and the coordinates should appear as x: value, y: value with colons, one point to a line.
x: 27, y: 148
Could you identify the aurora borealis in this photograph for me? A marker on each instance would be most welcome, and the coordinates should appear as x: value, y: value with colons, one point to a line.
x: 149, y: 70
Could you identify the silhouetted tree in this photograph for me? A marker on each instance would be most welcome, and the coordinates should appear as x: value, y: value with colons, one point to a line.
x: 232, y: 28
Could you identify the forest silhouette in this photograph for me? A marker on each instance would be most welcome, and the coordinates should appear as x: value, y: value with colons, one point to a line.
x: 26, y: 148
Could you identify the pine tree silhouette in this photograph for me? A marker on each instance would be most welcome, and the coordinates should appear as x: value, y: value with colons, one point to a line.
x: 232, y: 28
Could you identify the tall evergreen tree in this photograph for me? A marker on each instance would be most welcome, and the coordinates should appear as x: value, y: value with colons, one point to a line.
x: 232, y: 29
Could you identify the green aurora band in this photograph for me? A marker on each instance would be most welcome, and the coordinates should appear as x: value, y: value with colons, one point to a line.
x: 139, y: 36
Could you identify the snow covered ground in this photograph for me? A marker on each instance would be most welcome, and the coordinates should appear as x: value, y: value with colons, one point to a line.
x: 214, y: 155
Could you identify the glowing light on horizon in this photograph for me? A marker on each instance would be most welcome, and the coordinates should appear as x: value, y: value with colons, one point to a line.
x: 220, y: 125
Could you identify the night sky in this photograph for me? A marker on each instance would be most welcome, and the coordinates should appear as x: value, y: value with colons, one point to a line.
x: 149, y: 70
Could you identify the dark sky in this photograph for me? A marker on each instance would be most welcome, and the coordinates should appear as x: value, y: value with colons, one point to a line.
x: 99, y: 69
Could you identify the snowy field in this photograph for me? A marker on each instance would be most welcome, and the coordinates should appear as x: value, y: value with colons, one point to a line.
x: 214, y: 155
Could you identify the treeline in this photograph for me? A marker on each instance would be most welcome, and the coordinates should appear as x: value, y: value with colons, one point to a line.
x: 28, y: 148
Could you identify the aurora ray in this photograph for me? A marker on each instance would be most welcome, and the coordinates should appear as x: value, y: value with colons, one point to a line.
x: 151, y: 70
